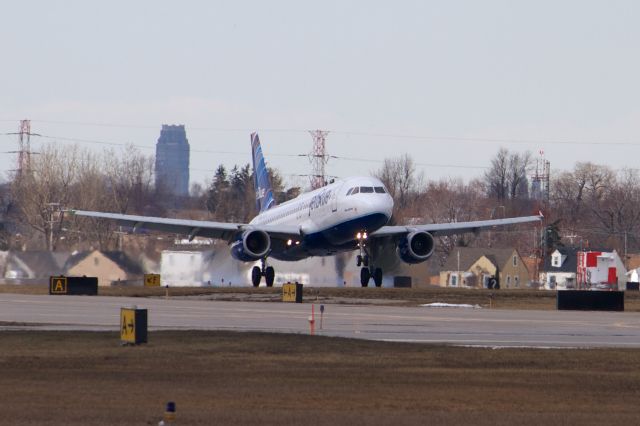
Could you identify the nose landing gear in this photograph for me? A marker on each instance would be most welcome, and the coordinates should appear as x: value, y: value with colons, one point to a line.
x: 363, y: 259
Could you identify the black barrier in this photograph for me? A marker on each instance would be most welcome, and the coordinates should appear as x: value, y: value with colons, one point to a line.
x: 74, y: 286
x: 401, y: 282
x: 584, y: 300
x: 633, y: 286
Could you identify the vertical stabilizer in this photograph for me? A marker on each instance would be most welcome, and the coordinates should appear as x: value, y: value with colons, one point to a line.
x: 264, y: 193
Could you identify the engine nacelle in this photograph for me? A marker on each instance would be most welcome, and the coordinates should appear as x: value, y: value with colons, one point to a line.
x: 251, y: 246
x: 416, y: 247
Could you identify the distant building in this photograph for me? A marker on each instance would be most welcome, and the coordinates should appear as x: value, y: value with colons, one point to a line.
x: 172, y: 160
x: 110, y: 267
x: 571, y: 268
x: 37, y: 266
x: 186, y: 267
x: 560, y: 269
x: 484, y: 268
x: 29, y: 265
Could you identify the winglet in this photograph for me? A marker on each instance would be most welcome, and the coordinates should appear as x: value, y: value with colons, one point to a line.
x: 262, y: 184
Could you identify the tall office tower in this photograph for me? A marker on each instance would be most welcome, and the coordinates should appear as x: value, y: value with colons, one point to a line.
x: 172, y: 160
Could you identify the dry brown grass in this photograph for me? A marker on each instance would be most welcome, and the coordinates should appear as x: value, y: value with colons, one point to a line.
x: 502, y: 299
x: 52, y: 378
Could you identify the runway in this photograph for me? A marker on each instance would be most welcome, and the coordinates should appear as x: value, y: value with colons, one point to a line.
x: 473, y: 327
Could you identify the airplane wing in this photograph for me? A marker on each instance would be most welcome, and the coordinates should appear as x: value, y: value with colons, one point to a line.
x: 192, y: 228
x: 444, y: 229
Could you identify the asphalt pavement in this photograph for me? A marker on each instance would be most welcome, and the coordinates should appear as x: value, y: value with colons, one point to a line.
x: 459, y: 326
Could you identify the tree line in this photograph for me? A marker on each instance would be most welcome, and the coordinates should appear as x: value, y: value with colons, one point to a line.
x: 591, y: 205
x: 34, y: 201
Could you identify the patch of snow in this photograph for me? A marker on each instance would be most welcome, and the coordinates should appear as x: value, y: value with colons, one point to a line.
x: 450, y: 305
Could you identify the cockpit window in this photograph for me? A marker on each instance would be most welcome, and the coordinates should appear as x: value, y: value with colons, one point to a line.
x: 350, y: 191
x: 355, y: 190
x: 380, y: 189
x: 366, y: 189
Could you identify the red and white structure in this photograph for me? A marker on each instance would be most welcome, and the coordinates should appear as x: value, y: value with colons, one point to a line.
x: 597, y: 269
x: 318, y: 158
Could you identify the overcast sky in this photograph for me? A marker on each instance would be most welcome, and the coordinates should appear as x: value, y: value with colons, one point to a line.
x: 448, y: 82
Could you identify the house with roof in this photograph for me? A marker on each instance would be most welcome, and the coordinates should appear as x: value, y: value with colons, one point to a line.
x: 33, y: 265
x: 632, y: 261
x: 110, y: 267
x: 484, y: 268
x: 572, y: 268
x: 560, y: 269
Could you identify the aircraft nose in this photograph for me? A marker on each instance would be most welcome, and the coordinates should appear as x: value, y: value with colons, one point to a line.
x: 379, y: 205
x: 388, y: 206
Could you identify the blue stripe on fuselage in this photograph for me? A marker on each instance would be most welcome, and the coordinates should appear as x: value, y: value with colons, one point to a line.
x: 340, y: 237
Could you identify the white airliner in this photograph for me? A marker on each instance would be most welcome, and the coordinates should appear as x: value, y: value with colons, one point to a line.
x: 346, y: 215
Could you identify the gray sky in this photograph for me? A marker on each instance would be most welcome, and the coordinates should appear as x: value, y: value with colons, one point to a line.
x: 462, y: 78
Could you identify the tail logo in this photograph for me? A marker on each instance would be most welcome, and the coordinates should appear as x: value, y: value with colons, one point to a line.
x: 264, y: 193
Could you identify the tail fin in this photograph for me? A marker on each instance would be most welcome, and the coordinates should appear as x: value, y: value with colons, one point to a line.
x: 264, y: 193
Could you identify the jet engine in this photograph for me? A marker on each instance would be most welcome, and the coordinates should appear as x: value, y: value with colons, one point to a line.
x: 416, y: 247
x: 251, y: 246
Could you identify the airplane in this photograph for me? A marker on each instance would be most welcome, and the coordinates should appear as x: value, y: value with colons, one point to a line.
x: 345, y: 215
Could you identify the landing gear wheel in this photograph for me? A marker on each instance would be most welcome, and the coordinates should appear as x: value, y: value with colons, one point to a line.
x: 364, y: 277
x: 269, y: 276
x: 365, y: 260
x: 377, y: 277
x: 358, y: 260
x: 256, y: 275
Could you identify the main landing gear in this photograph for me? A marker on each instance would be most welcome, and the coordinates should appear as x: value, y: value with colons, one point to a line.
x: 366, y: 274
x: 362, y: 259
x: 265, y: 271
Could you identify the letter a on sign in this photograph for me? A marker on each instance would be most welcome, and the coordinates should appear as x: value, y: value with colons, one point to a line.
x: 58, y: 285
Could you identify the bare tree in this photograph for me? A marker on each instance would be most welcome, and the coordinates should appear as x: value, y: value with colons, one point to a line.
x: 517, y: 175
x: 507, y: 176
x: 129, y: 179
x: 617, y: 211
x: 400, y: 177
x: 40, y: 192
x: 450, y: 200
x: 581, y: 197
x: 496, y: 177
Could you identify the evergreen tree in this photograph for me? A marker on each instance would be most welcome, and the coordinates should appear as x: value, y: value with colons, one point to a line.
x: 217, y: 193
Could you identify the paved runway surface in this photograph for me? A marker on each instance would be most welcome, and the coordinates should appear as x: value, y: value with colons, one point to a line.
x: 482, y: 327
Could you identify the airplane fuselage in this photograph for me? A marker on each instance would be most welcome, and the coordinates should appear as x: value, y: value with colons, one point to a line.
x: 330, y: 217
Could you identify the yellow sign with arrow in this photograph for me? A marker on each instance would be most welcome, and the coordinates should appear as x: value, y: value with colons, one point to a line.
x: 128, y: 325
x: 133, y: 325
x: 292, y: 292
x: 152, y: 280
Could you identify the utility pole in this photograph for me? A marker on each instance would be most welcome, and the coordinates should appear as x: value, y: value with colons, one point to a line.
x: 318, y: 158
x: 53, y: 209
x: 625, y: 250
x: 24, y: 147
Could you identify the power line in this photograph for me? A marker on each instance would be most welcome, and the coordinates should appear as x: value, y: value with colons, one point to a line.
x: 219, y: 152
x: 360, y: 134
x: 492, y: 140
